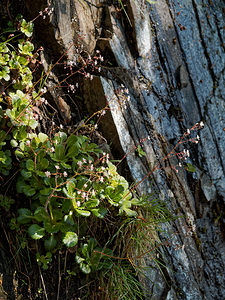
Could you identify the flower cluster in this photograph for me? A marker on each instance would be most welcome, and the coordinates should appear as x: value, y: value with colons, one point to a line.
x: 46, y: 12
x: 185, y: 154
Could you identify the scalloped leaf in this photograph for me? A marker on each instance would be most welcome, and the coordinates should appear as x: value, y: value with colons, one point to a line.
x: 36, y: 232
x: 70, y: 239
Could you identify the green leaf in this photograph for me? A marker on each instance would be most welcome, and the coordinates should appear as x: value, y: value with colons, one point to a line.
x: 33, y: 123
x: 40, y: 214
x: 22, y: 146
x: 190, y: 168
x: 42, y: 137
x: 83, y: 213
x: 59, y: 152
x: 85, y: 268
x: 50, y: 243
x: 92, y: 203
x: 26, y: 174
x: 13, y: 143
x: 52, y: 228
x: 140, y: 151
x: 30, y: 165
x: 70, y: 239
x: 36, y: 232
x: 109, y: 190
x: 92, y: 243
x: 63, y: 136
x: 43, y: 164
x: 69, y: 219
x: 73, y: 150
x: 136, y: 201
x: 119, y: 189
x: 27, y: 28
x: 99, y: 212
x: 79, y: 259
x: 25, y: 216
x: 46, y: 191
x: 130, y: 213
x: 22, y: 60
x: 29, y: 191
x: 19, y: 154
x: 65, y: 166
x: 84, y: 250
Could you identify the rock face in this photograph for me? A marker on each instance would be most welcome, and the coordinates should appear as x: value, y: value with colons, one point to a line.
x: 170, y: 56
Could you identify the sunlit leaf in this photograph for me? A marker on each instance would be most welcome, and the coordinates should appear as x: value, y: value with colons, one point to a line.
x: 70, y: 239
x: 36, y: 232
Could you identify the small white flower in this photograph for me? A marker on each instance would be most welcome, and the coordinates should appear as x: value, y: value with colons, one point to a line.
x: 28, y: 143
x: 101, y: 179
x: 79, y: 163
x: 85, y: 185
x: 83, y: 195
x: 93, y: 192
x: 61, y: 126
x: 44, y: 90
x: 47, y: 173
x: 57, y: 167
x: 78, y: 203
x: 103, y: 112
x: 188, y: 131
x: 197, y: 137
x: 65, y: 174
x: 201, y: 124
x: 84, y: 160
x: 53, y: 149
x: 78, y: 192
